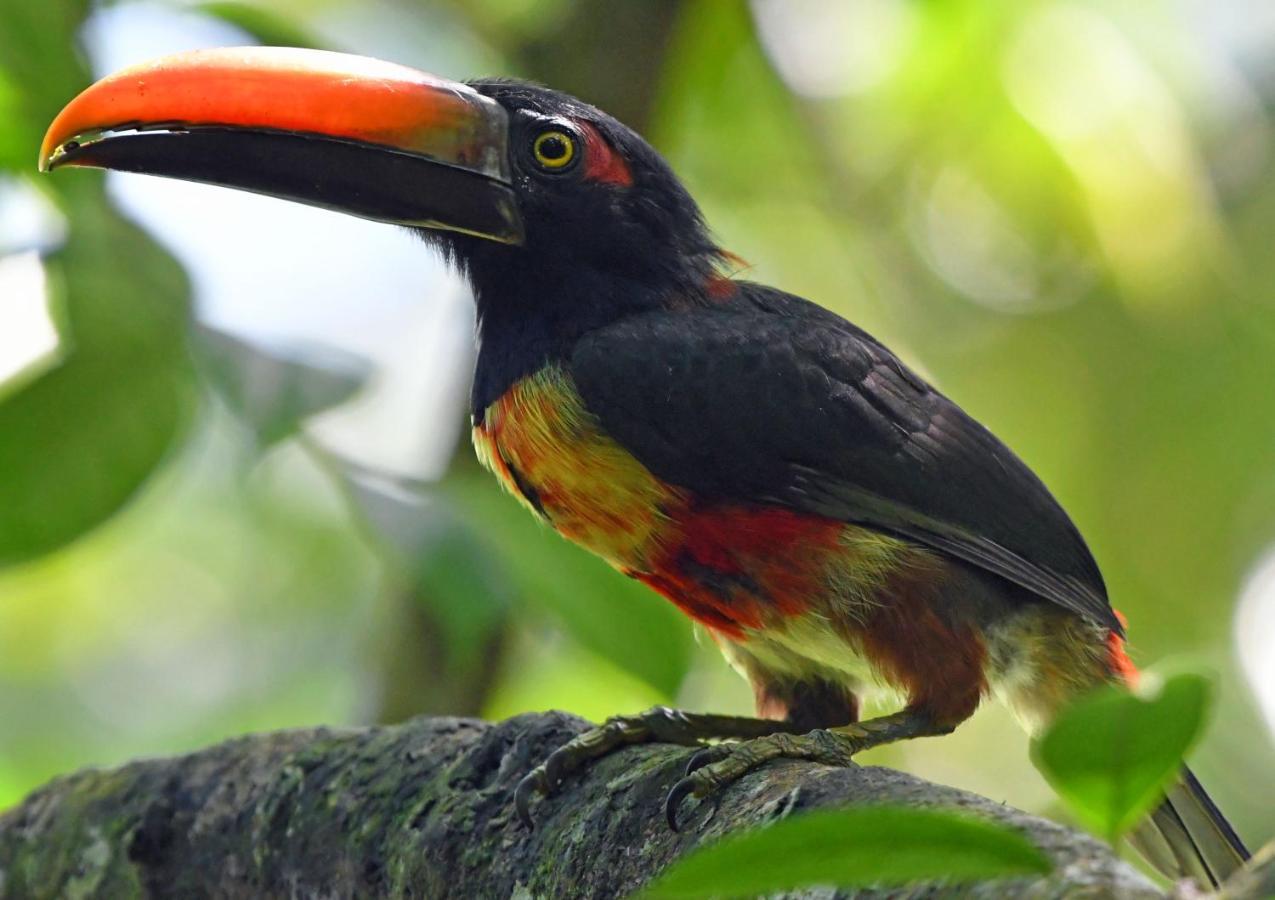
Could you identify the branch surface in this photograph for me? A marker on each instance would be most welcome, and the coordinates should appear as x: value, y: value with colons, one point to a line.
x: 423, y: 809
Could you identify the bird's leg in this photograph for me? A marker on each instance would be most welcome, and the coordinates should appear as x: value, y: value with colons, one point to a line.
x: 659, y: 724
x: 718, y: 766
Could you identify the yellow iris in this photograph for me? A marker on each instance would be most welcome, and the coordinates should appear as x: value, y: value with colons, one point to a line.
x: 554, y: 149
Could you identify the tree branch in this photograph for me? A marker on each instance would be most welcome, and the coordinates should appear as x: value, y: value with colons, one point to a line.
x: 423, y: 809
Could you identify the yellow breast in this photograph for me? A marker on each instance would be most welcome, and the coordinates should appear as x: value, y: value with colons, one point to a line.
x: 551, y: 453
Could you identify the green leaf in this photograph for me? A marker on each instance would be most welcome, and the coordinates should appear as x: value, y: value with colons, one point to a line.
x: 18, y: 137
x: 274, y: 392
x: 448, y: 564
x: 265, y: 25
x: 715, y: 69
x: 1110, y: 755
x: 611, y: 615
x: 851, y: 847
x: 78, y: 441
x: 442, y: 646
x: 39, y: 54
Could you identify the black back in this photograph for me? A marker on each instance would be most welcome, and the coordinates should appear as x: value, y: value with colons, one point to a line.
x: 771, y: 399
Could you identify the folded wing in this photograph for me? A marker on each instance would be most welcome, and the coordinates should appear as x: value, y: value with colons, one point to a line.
x: 773, y: 400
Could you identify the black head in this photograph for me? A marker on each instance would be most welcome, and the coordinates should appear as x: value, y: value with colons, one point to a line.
x: 596, y: 200
x: 609, y: 231
x: 564, y: 219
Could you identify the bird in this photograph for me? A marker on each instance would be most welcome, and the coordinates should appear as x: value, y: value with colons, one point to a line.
x: 833, y: 521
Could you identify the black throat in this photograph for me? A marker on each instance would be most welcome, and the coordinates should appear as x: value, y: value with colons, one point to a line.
x: 531, y: 312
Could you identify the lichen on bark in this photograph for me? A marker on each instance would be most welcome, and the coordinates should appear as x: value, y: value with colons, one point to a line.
x: 424, y: 809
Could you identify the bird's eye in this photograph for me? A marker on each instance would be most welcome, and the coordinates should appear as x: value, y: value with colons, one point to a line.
x: 554, y: 150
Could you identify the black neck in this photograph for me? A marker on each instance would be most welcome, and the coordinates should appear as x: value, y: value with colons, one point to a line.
x: 531, y: 315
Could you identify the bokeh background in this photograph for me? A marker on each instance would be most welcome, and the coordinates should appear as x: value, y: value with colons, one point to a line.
x: 236, y: 491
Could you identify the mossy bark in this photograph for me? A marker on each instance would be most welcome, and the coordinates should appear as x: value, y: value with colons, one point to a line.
x: 423, y: 809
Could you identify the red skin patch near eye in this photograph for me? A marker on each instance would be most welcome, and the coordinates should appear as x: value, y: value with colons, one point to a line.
x: 601, y: 162
x: 1117, y: 659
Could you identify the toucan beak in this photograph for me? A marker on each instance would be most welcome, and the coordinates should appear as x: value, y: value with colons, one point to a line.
x: 358, y: 135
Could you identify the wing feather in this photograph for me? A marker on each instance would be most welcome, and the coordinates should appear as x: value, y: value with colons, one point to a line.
x: 772, y: 399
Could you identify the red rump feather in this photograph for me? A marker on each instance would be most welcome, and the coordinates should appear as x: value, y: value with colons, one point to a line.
x: 1117, y: 659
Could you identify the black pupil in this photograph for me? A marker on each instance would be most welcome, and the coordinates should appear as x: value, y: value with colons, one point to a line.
x: 553, y: 148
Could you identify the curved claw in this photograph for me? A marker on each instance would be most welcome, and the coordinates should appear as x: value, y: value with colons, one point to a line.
x: 706, y: 757
x: 673, y: 802
x: 533, y: 784
x: 688, y: 787
x: 553, y: 769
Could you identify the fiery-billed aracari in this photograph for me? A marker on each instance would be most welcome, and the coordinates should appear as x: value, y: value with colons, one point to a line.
x: 832, y: 520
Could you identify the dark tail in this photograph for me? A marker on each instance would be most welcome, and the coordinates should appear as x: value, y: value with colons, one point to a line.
x: 1188, y: 837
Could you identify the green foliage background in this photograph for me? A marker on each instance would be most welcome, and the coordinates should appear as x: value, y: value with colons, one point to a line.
x: 1040, y: 205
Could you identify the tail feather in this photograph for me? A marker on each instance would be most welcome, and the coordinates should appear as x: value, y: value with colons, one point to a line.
x: 1188, y: 837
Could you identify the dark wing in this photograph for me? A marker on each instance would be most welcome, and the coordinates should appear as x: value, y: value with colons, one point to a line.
x: 772, y: 399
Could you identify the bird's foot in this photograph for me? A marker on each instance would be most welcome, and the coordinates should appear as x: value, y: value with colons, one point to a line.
x: 660, y: 724
x: 715, y: 767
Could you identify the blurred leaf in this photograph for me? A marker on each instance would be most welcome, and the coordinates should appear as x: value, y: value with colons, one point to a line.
x: 450, y: 567
x: 466, y: 591
x: 1110, y: 754
x: 546, y: 671
x: 40, y: 70
x: 716, y: 72
x: 17, y: 139
x: 77, y: 442
x: 517, y: 20
x: 851, y: 847
x: 39, y: 54
x: 274, y: 392
x: 266, y: 25
x: 441, y: 645
x: 613, y: 616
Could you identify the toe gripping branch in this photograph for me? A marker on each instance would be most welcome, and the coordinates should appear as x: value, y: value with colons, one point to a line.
x: 660, y: 724
x: 715, y: 766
